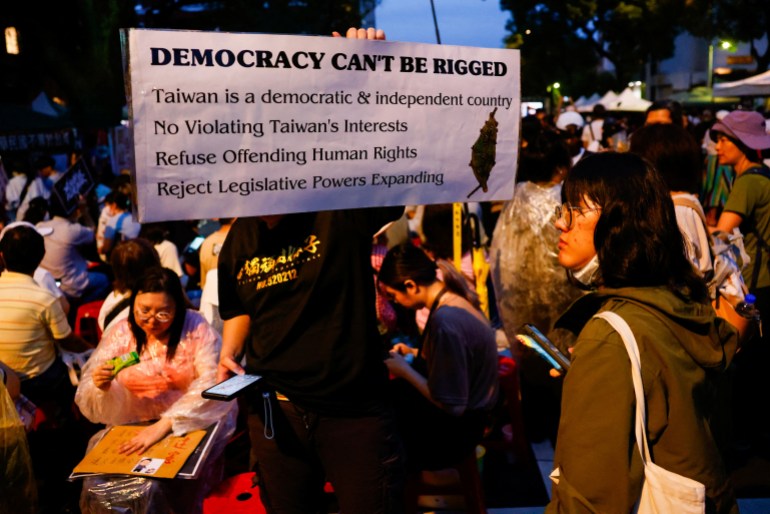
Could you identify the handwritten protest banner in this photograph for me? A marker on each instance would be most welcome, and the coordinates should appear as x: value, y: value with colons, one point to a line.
x: 164, y: 459
x: 246, y: 124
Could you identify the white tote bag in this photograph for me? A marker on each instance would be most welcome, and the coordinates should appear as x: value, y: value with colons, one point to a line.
x: 663, y: 492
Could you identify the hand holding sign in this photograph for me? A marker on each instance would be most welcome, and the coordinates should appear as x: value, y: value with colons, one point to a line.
x: 370, y: 33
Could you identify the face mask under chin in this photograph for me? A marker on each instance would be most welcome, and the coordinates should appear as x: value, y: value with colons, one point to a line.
x: 588, y: 275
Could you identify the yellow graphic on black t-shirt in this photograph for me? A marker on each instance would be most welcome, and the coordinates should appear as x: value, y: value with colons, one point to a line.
x: 277, y: 269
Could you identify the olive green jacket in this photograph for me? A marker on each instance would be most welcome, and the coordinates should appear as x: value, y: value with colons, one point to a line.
x: 684, y: 348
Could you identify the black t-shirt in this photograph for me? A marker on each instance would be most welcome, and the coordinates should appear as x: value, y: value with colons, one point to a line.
x: 307, y: 286
x: 461, y: 359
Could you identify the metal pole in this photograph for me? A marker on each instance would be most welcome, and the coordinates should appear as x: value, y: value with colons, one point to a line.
x: 435, y: 22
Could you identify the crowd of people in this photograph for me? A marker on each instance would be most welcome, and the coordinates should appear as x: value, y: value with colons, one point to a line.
x: 378, y: 360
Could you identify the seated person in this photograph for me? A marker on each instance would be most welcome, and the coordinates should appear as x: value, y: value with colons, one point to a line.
x: 159, y: 235
x: 42, y: 276
x: 120, y: 224
x: 31, y: 352
x: 129, y: 261
x: 64, y: 256
x: 443, y: 422
x: 178, y: 355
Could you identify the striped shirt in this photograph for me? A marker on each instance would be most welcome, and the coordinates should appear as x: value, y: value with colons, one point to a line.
x: 31, y: 318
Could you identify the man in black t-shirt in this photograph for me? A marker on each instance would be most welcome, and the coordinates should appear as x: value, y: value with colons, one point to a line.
x: 299, y: 289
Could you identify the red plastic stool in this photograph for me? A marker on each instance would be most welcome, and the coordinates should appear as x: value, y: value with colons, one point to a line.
x: 86, y: 324
x: 236, y: 495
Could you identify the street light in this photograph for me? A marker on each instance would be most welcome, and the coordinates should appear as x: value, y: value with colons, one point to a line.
x: 725, y: 46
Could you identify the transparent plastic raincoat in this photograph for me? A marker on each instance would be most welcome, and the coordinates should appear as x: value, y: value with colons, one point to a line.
x: 149, y: 390
x: 530, y: 285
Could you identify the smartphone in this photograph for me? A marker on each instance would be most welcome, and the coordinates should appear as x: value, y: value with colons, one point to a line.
x: 230, y: 388
x: 531, y: 336
x: 196, y: 243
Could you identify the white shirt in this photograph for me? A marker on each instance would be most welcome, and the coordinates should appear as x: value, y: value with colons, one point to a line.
x: 169, y: 256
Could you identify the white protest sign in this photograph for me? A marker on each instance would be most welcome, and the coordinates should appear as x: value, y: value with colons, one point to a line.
x: 229, y: 125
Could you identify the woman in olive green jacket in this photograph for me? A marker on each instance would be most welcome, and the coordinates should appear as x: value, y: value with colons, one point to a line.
x: 619, y: 237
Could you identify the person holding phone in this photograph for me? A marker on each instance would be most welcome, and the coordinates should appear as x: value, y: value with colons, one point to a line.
x: 178, y: 353
x: 297, y: 296
x: 620, y: 239
x: 444, y: 398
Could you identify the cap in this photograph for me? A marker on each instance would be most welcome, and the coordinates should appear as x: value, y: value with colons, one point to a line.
x: 569, y: 118
x: 43, y: 231
x: 748, y: 127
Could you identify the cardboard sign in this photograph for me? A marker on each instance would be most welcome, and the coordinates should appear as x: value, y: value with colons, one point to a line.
x: 164, y: 459
x: 229, y: 125
x: 72, y: 184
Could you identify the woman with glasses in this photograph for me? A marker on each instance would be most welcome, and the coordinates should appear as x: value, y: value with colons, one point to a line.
x: 178, y: 354
x: 620, y: 239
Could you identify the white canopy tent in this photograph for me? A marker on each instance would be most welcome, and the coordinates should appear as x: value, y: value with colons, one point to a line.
x: 609, y: 98
x: 587, y: 104
x: 758, y: 85
x: 629, y: 101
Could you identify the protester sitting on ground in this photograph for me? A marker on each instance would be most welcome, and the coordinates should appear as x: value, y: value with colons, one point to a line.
x: 178, y: 354
x: 438, y: 242
x: 41, y: 186
x: 158, y: 234
x: 32, y: 323
x: 120, y: 224
x: 14, y: 189
x: 442, y: 407
x: 619, y: 237
x: 63, y: 257
x: 37, y: 211
x: 42, y: 276
x: 129, y: 261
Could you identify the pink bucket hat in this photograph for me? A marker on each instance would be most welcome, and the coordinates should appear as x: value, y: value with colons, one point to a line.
x: 748, y: 127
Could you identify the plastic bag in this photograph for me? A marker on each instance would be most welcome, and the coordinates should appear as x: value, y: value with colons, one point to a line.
x: 530, y: 285
x: 18, y: 492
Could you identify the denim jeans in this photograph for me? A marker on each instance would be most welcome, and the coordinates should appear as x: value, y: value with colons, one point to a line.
x: 362, y: 457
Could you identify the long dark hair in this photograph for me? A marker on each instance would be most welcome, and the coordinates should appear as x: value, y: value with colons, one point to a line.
x: 637, y: 237
x: 673, y: 152
x: 160, y: 280
x: 407, y: 262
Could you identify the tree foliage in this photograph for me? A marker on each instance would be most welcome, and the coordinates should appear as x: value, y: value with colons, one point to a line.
x: 625, y: 32
x: 72, y: 47
x: 733, y: 20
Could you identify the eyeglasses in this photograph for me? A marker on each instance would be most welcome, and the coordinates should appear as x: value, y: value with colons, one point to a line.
x: 144, y: 315
x: 566, y: 213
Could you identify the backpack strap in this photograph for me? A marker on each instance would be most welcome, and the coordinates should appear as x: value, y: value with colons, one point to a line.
x: 119, y: 225
x: 116, y: 309
x: 686, y: 201
x: 761, y: 243
x: 24, y: 190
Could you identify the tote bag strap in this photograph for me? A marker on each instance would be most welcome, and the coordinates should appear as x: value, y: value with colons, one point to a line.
x: 622, y: 328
